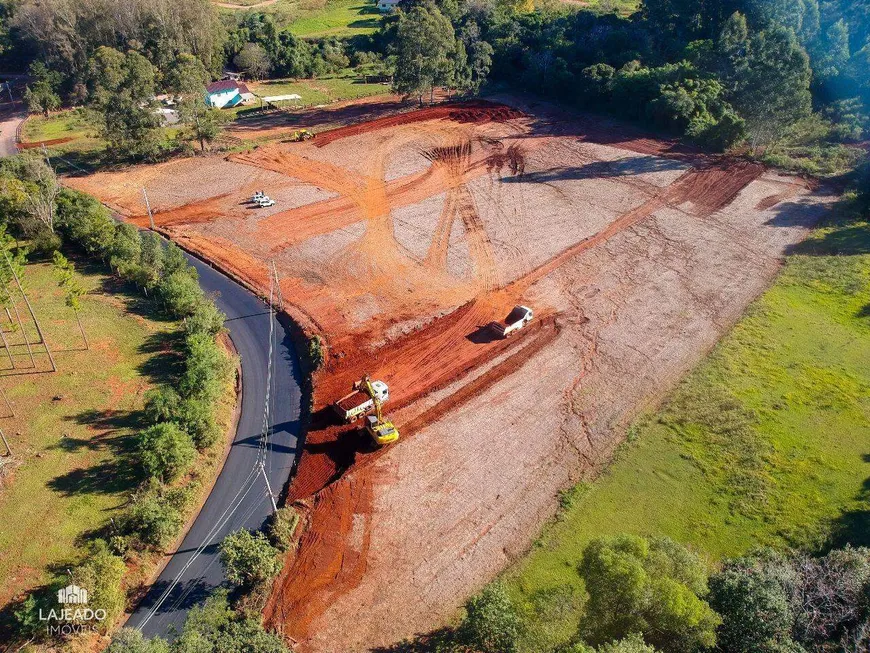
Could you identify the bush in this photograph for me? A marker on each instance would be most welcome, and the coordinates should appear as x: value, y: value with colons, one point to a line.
x: 315, y: 352
x: 101, y: 574
x: 283, y: 527
x: 208, y: 369
x: 180, y: 293
x: 249, y: 559
x: 197, y: 418
x: 155, y: 518
x: 85, y: 222
x: 130, y: 640
x: 165, y: 451
x: 162, y: 405
x: 491, y: 623
x: 206, y: 318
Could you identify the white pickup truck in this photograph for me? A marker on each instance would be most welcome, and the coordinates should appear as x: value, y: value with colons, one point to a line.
x: 355, y: 404
x: 519, y: 317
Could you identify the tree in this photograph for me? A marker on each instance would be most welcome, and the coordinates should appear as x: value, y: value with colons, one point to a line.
x: 180, y: 292
x: 253, y: 60
x: 424, y: 45
x: 162, y: 404
x: 207, y: 368
x: 101, y: 574
x: 206, y: 318
x: 491, y: 623
x: 654, y: 587
x: 756, y: 616
x: 248, y: 558
x: 41, y: 94
x: 766, y: 77
x: 123, y: 96
x: 155, y: 517
x: 214, y: 626
x: 165, y: 451
x: 41, y: 192
x: 85, y: 222
x: 479, y: 57
x: 68, y: 280
x: 188, y: 79
x: 130, y: 640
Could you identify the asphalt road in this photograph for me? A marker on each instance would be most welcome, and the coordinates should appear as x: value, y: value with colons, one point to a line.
x: 240, y: 497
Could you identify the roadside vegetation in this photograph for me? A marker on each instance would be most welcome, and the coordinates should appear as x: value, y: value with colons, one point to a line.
x: 152, y: 452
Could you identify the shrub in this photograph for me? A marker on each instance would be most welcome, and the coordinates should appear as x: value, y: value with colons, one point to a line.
x: 154, y: 518
x: 248, y: 558
x: 206, y: 318
x: 130, y: 640
x: 101, y: 574
x: 197, y: 418
x: 282, y: 528
x: 165, y: 451
x: 180, y: 293
x: 491, y: 623
x: 162, y: 405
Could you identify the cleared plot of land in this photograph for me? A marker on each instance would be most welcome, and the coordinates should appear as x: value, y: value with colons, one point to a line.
x: 70, y: 428
x: 766, y: 442
x: 332, y: 88
x: 398, y: 240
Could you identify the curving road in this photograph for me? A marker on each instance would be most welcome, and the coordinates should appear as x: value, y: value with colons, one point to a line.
x: 239, y: 498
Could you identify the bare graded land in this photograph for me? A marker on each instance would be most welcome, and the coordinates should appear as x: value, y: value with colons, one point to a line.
x: 397, y: 240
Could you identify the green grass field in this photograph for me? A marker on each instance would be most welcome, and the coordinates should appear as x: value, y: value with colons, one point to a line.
x: 342, y: 86
x: 338, y: 18
x: 68, y: 124
x: 766, y: 442
x: 72, y: 429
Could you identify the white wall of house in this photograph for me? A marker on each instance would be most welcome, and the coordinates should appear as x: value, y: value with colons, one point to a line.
x: 219, y: 100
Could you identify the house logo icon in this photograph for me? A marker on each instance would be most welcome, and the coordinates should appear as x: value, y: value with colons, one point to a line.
x: 72, y: 594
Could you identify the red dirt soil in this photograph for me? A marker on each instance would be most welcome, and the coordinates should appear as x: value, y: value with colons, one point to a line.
x: 478, y: 112
x: 49, y: 143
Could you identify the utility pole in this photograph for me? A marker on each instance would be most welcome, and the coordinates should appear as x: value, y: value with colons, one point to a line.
x: 9, y: 88
x: 269, y: 486
x: 148, y: 206
x: 278, y: 284
x: 32, y: 314
x: 45, y: 154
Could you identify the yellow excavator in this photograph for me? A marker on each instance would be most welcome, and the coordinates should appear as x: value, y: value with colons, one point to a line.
x: 301, y: 135
x: 381, y: 430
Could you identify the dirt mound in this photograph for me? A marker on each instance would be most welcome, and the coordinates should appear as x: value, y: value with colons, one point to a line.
x: 477, y: 112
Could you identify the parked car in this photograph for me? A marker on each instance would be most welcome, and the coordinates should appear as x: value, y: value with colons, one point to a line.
x: 265, y: 202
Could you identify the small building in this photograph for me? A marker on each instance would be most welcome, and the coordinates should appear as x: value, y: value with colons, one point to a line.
x: 386, y: 6
x: 227, y: 93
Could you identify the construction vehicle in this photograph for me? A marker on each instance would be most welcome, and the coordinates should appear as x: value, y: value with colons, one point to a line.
x: 368, y: 396
x: 381, y: 430
x: 519, y: 317
x: 361, y: 400
x: 301, y: 135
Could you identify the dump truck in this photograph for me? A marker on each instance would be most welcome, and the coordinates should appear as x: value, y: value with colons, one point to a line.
x: 519, y: 317
x: 357, y: 403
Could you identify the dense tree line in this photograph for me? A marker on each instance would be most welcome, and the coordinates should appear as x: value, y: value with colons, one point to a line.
x: 652, y: 595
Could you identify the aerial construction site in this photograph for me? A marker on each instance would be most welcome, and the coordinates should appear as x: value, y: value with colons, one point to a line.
x: 398, y: 235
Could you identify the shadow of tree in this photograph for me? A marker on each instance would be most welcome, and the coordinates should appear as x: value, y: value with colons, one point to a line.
x: 442, y: 639
x: 853, y: 526
x: 116, y: 474
x: 634, y: 165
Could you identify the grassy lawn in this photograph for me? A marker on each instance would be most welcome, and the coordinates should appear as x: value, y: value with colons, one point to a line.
x: 624, y: 7
x: 767, y: 442
x: 337, y: 18
x: 343, y: 86
x: 68, y: 124
x: 72, y: 429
